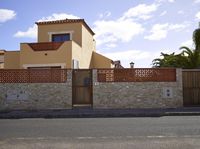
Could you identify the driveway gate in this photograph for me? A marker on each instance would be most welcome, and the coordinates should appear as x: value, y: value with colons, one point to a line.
x: 191, y: 87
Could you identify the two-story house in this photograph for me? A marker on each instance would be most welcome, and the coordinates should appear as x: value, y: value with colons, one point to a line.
x: 65, y: 43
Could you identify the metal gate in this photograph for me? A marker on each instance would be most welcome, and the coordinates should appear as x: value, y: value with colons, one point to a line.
x: 191, y: 87
x: 82, y: 87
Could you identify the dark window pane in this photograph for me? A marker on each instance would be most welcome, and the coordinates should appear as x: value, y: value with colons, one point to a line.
x: 60, y: 37
x: 66, y: 37
x: 56, y: 38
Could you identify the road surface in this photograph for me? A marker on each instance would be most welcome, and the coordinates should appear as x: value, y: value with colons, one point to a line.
x: 152, y: 133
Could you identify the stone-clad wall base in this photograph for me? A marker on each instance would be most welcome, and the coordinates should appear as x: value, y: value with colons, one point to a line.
x: 137, y: 94
x: 35, y: 96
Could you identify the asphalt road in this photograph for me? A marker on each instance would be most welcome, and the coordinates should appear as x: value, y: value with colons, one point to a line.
x: 152, y: 133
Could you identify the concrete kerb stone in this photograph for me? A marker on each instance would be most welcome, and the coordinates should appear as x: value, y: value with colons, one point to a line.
x: 95, y: 113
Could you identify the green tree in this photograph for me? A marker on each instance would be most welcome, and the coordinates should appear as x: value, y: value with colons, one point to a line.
x: 170, y: 60
x: 188, y: 58
x: 196, y: 38
x: 166, y: 61
x: 192, y: 57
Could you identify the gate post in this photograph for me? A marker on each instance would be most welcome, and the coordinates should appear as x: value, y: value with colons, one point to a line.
x: 179, y: 81
x: 69, y: 77
x: 95, y: 86
x: 94, y: 74
x: 69, y: 84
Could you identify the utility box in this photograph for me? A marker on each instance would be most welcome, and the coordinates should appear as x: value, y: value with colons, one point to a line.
x: 16, y: 95
x: 167, y: 92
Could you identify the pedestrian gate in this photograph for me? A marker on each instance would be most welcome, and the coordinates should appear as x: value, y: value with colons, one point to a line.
x: 82, y: 87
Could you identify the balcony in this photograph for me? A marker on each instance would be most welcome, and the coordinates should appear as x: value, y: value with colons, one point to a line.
x: 45, y: 46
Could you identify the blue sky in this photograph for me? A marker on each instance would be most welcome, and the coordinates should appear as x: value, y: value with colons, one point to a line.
x: 126, y: 30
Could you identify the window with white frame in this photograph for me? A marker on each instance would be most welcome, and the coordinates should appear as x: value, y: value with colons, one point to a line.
x: 60, y: 36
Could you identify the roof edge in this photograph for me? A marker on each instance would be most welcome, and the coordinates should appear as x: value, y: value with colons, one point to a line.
x: 66, y: 21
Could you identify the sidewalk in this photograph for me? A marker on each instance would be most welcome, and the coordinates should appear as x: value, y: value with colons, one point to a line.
x: 95, y: 113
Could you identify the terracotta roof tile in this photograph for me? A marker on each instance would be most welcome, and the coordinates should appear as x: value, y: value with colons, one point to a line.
x: 67, y: 21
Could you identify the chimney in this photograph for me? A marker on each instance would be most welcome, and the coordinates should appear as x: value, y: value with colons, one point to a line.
x: 132, y: 65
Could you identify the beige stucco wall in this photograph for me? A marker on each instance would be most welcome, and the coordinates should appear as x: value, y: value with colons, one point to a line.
x: 1, y: 65
x: 100, y: 61
x: 60, y: 56
x: 1, y: 58
x: 88, y: 47
x: 82, y: 51
x: 77, y: 54
x: 75, y: 28
x: 80, y: 48
x: 12, y: 60
x: 1, y: 61
x: 84, y: 54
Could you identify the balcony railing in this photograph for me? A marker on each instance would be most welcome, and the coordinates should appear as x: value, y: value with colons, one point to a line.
x: 45, y: 46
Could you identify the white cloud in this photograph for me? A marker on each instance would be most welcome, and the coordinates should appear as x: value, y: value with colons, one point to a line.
x: 163, y: 13
x: 139, y: 57
x: 58, y: 16
x: 6, y: 15
x: 116, y: 30
x: 141, y: 11
x: 126, y: 27
x: 196, y: 1
x: 105, y: 14
x: 111, y: 45
x: 198, y: 15
x: 177, y: 27
x: 160, y: 31
x: 31, y: 32
x: 188, y: 43
x: 128, y: 55
x: 161, y: 1
x: 180, y: 12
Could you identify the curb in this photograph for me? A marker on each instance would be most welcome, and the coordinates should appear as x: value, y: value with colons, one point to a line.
x: 182, y: 114
x: 104, y: 113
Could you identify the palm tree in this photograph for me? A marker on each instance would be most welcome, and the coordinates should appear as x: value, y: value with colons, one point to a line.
x: 196, y: 38
x: 171, y: 60
x: 192, y: 57
x: 163, y: 62
x: 189, y: 58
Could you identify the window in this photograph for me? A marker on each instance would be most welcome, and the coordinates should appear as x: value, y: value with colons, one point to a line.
x: 60, y: 37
